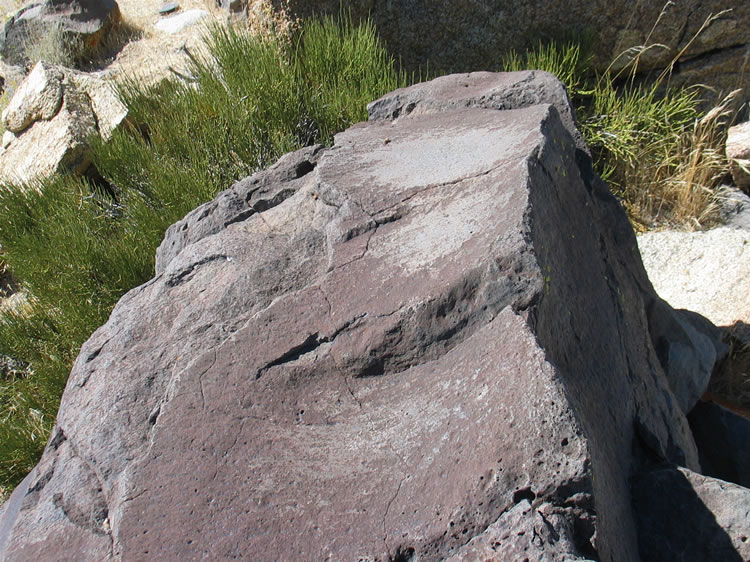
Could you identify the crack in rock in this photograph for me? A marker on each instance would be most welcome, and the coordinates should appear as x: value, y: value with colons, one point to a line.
x: 186, y: 273
x: 385, y: 515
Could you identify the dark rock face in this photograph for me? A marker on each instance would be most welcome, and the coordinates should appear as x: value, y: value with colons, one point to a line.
x: 85, y: 19
x: 432, y: 340
x: 686, y: 516
x: 723, y: 440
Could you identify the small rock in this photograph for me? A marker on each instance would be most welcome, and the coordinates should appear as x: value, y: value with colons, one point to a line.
x: 735, y: 208
x: 168, y: 8
x: 738, y: 154
x: 39, y: 97
x: 54, y: 112
x: 175, y: 24
x: 8, y: 137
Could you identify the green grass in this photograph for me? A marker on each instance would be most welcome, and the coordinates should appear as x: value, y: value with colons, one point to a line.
x: 660, y: 153
x: 76, y: 247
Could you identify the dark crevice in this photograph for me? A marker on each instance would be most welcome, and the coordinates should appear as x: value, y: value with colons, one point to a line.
x: 713, y: 52
x: 524, y: 494
x: 385, y: 517
x: 240, y: 217
x: 260, y: 205
x: 404, y: 554
x: 186, y: 273
x: 312, y: 342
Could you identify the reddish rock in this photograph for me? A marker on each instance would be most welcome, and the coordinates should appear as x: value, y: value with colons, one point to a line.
x: 432, y: 339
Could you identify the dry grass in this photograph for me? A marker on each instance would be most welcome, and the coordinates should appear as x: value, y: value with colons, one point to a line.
x: 682, y: 185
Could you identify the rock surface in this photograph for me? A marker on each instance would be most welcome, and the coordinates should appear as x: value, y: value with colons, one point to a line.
x: 88, y: 20
x: 707, y: 272
x: 434, y: 339
x: 178, y: 22
x: 718, y: 513
x: 465, y: 36
x: 50, y: 120
x: 738, y: 154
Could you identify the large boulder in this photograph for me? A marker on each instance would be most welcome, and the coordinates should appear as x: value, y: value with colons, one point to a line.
x: 87, y: 21
x: 435, y: 338
x: 464, y: 36
x: 50, y: 121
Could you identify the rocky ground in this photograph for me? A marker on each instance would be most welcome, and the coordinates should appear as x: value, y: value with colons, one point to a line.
x: 151, y: 53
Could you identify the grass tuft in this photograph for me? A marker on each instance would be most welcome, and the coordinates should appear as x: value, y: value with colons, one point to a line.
x: 655, y: 147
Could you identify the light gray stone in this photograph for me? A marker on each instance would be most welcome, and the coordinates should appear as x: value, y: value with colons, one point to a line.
x: 39, y: 97
x: 55, y: 112
x: 707, y: 272
x: 176, y: 23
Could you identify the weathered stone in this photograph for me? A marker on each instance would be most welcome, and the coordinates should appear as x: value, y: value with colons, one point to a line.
x: 51, y: 146
x: 176, y: 23
x: 452, y: 36
x: 738, y: 154
x: 87, y: 20
x: 8, y: 138
x: 54, y: 113
x: 109, y: 110
x: 39, y: 97
x: 706, y: 272
x: 408, y: 345
x: 526, y: 532
x: 685, y: 516
x: 723, y: 440
x: 479, y: 89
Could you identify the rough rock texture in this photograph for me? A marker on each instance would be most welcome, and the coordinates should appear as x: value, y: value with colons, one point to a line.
x: 433, y: 339
x: 464, y: 36
x: 738, y: 154
x: 719, y: 515
x: 50, y: 120
x: 707, y: 272
x: 88, y: 20
x: 39, y: 97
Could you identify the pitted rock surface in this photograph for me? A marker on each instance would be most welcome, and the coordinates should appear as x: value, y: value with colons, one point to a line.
x: 414, y: 344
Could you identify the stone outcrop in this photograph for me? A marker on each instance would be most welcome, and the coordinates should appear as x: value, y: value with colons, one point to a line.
x: 434, y: 339
x: 738, y: 154
x: 50, y: 120
x: 87, y: 20
x: 464, y: 36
